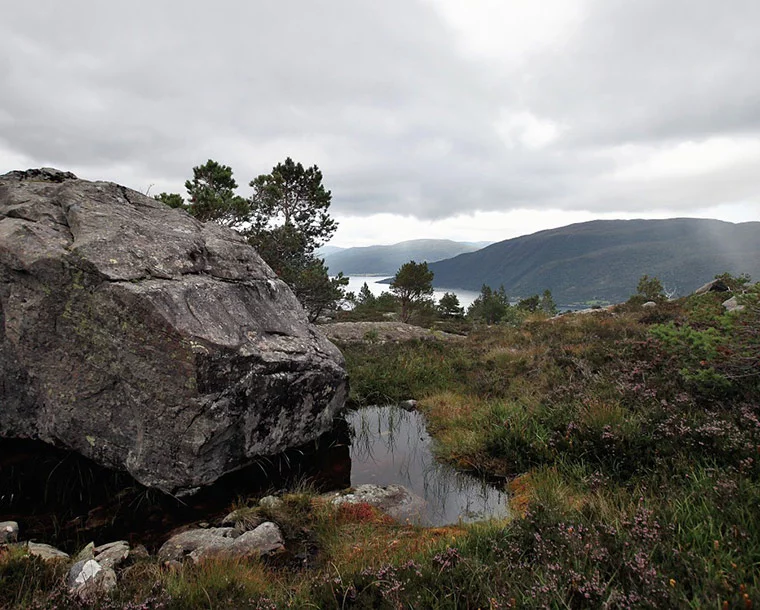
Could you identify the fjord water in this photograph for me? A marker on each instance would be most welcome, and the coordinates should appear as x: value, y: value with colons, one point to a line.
x: 355, y: 282
x: 390, y: 445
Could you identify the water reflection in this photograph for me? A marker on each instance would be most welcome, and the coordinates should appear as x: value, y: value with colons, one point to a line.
x: 391, y: 445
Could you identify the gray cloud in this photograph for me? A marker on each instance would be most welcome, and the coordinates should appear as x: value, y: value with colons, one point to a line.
x: 380, y: 97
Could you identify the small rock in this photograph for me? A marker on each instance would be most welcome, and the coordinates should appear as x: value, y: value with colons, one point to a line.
x: 395, y: 501
x: 198, y: 543
x: 45, y: 551
x: 230, y: 519
x: 270, y: 502
x: 82, y: 571
x: 89, y: 580
x: 266, y: 539
x: 138, y: 552
x: 243, y: 519
x: 732, y: 304
x: 712, y: 286
x: 649, y: 304
x: 408, y: 405
x: 86, y: 553
x: 111, y: 555
x: 8, y: 532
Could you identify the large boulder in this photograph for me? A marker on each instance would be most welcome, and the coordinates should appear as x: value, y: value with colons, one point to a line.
x: 148, y: 341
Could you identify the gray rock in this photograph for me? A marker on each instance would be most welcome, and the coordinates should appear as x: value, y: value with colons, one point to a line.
x: 82, y: 571
x: 732, y: 304
x: 361, y: 332
x: 111, y: 555
x: 270, y: 502
x: 88, y: 580
x: 408, y: 405
x: 395, y: 501
x: 86, y: 553
x: 231, y: 519
x: 148, y: 341
x: 243, y: 519
x: 199, y: 544
x: 649, y: 304
x: 8, y: 532
x: 712, y: 286
x: 45, y: 551
x: 138, y: 552
x: 266, y: 539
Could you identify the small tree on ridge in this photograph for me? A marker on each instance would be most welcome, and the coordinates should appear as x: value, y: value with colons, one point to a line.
x: 411, y: 284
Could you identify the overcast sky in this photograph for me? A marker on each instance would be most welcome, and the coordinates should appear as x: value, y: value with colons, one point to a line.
x: 477, y: 120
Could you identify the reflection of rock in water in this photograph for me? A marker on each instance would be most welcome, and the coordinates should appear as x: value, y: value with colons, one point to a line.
x: 392, y: 446
x: 60, y: 497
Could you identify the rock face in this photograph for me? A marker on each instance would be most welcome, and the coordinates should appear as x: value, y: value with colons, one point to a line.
x: 148, y: 341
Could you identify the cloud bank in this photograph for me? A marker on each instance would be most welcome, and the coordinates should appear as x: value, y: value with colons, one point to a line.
x: 428, y: 109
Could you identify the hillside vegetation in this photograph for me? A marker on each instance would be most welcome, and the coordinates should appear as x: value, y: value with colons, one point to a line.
x: 385, y: 260
x: 630, y: 441
x: 603, y: 259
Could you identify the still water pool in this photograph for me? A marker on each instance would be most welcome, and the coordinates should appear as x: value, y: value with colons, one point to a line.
x: 390, y: 445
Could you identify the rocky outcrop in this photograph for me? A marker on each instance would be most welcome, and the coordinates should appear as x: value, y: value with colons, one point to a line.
x: 733, y: 304
x: 715, y: 285
x: 381, y: 332
x: 148, y: 341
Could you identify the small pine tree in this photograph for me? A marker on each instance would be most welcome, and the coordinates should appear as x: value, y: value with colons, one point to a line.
x: 173, y: 200
x: 491, y: 306
x: 650, y: 288
x: 449, y: 306
x: 366, y: 297
x: 547, y: 305
x: 212, y: 196
x: 412, y: 283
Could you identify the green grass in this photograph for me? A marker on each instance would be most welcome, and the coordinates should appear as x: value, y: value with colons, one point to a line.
x: 634, y: 479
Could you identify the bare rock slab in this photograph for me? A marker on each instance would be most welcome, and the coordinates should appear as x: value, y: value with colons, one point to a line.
x: 45, y: 551
x: 147, y: 341
x: 199, y: 544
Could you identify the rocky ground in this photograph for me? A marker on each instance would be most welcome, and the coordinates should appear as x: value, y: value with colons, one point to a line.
x: 381, y: 332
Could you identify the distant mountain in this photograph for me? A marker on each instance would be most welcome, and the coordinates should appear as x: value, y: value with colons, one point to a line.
x: 386, y: 260
x: 603, y: 259
x: 326, y: 250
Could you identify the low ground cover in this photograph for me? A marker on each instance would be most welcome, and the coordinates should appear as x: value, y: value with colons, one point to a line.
x: 630, y: 441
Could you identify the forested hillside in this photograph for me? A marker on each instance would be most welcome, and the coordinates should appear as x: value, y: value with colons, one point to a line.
x: 602, y: 260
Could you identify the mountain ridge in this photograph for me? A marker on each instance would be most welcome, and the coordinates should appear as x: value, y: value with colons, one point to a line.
x: 386, y: 259
x: 603, y: 259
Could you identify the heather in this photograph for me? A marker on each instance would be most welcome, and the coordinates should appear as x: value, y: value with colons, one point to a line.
x: 629, y: 440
